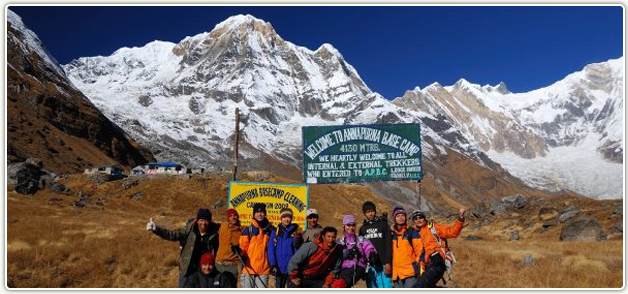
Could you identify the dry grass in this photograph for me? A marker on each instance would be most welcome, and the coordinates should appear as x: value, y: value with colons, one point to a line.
x: 52, y: 244
x: 499, y: 264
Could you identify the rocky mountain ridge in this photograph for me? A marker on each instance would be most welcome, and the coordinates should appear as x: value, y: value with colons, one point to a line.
x: 179, y: 100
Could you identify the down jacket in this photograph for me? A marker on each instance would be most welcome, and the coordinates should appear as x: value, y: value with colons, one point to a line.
x: 253, y: 243
x: 282, y: 245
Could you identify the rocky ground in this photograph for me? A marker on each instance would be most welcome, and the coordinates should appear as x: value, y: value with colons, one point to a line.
x: 77, y: 231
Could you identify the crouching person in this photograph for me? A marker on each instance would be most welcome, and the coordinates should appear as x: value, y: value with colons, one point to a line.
x: 356, y: 252
x: 207, y: 276
x: 316, y: 264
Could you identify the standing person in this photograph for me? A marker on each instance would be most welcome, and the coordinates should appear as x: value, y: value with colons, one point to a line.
x: 199, y: 235
x: 283, y: 243
x: 434, y: 242
x: 253, y: 248
x: 207, y: 276
x: 317, y: 263
x: 356, y: 252
x: 377, y: 231
x: 407, y: 248
x: 313, y: 228
x: 229, y: 236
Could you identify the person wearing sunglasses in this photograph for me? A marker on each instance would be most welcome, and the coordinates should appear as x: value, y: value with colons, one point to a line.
x: 435, y: 250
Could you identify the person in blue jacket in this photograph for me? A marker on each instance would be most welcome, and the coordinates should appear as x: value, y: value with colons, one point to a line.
x: 282, y: 244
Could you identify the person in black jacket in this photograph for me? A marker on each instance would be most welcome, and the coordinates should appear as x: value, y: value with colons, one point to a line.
x: 199, y: 234
x: 377, y: 231
x: 207, y: 276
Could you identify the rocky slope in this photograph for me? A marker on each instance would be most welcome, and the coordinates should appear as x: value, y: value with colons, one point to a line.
x: 179, y: 100
x: 48, y: 118
x: 566, y: 135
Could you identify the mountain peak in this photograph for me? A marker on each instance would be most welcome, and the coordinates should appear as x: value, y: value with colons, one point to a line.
x: 242, y: 22
x: 329, y: 48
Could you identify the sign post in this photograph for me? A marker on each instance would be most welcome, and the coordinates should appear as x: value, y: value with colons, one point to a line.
x: 361, y: 153
x: 243, y: 195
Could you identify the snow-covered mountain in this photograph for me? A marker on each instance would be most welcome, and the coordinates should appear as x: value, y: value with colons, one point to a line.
x: 567, y: 135
x: 179, y: 100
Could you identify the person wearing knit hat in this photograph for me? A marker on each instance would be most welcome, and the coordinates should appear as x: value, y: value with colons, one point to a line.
x: 376, y: 230
x: 229, y: 236
x: 207, y: 276
x: 282, y: 245
x: 313, y: 228
x: 407, y: 247
x: 357, y: 251
x: 253, y: 249
x: 198, y: 235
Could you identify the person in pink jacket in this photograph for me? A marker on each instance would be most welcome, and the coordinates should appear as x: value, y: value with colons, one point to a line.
x: 357, y: 252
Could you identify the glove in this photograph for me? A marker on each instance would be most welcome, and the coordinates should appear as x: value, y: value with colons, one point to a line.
x: 388, y: 269
x: 236, y: 250
x: 151, y: 226
x: 372, y: 259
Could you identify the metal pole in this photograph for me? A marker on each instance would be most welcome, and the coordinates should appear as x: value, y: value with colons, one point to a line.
x: 417, y: 189
x: 235, y: 142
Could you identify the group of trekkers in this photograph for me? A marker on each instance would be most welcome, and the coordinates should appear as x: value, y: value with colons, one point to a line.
x: 410, y: 252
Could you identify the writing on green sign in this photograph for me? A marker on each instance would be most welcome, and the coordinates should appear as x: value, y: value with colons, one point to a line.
x: 334, y: 154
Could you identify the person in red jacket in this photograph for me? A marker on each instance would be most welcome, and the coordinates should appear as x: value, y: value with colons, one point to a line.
x: 434, y: 237
x: 316, y: 264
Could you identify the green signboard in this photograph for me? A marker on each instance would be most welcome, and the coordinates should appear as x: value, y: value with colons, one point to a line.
x: 361, y: 153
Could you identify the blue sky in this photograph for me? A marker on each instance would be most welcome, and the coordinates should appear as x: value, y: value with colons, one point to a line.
x: 394, y: 49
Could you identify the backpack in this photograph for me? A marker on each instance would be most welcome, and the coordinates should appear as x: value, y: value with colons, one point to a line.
x: 450, y: 259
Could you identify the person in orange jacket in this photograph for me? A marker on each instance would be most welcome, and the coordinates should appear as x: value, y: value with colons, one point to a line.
x: 406, y: 249
x: 228, y: 237
x: 253, y: 248
x: 434, y: 253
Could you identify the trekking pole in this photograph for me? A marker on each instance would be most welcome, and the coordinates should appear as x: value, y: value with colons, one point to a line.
x: 417, y: 190
x: 254, y: 272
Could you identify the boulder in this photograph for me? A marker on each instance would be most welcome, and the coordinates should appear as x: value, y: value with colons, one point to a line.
x: 130, y: 184
x: 548, y: 213
x: 618, y: 209
x: 479, y: 212
x: 498, y: 207
x: 27, y: 177
x: 472, y: 238
x: 137, y: 196
x: 550, y: 223
x: 57, y: 187
x: 619, y: 226
x: 582, y: 230
x: 78, y: 204
x: 516, y: 201
x: 528, y: 260
x: 100, y: 178
x: 514, y: 236
x: 568, y: 214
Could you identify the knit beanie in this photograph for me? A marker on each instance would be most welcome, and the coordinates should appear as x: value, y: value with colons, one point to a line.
x: 231, y: 212
x: 204, y: 213
x: 368, y: 205
x: 285, y: 212
x: 398, y: 210
x: 207, y: 257
x: 348, y: 219
x: 257, y: 207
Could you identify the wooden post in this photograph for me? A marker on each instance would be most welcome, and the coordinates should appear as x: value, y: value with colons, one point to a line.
x: 236, y: 140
